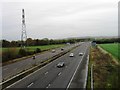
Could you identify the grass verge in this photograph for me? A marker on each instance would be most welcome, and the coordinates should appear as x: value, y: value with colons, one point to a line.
x: 14, y: 52
x: 105, y: 71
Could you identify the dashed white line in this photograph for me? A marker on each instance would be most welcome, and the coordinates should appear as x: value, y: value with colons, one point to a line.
x: 59, y: 74
x: 30, y: 85
x: 25, y: 76
x: 76, y: 70
x: 48, y: 85
x: 46, y: 73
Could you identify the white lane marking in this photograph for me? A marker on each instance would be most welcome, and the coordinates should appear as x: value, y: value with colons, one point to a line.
x: 27, y: 75
x: 59, y: 74
x: 86, y: 75
x: 46, y: 73
x: 48, y: 85
x: 76, y: 70
x: 30, y: 84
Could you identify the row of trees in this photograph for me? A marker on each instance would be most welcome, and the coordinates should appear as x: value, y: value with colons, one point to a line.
x: 46, y: 41
x: 38, y: 42
x: 111, y: 40
x: 13, y: 53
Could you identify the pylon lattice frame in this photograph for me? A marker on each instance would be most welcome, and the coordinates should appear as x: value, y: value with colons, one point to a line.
x: 24, y: 34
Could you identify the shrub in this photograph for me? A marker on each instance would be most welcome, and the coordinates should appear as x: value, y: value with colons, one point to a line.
x: 22, y: 52
x: 38, y: 50
x: 9, y: 54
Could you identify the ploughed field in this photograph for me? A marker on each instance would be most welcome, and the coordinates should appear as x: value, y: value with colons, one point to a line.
x: 112, y: 48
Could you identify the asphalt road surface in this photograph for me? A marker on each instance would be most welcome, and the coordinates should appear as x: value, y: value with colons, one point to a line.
x: 72, y: 75
x: 14, y: 68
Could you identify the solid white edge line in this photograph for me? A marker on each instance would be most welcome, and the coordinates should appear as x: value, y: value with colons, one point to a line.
x: 30, y: 84
x: 84, y: 86
x: 76, y: 70
x: 59, y: 74
x: 48, y: 85
x: 29, y: 74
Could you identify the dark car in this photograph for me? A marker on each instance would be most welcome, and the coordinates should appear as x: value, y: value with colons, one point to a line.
x: 62, y: 49
x: 80, y: 54
x: 71, y: 55
x: 60, y: 64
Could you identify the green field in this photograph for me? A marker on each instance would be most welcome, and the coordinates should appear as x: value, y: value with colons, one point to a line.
x: 13, y: 52
x: 112, y: 48
x: 32, y: 48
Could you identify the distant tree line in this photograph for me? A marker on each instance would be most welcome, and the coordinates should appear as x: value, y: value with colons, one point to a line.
x: 111, y: 40
x: 46, y: 41
x: 38, y: 42
x: 13, y: 53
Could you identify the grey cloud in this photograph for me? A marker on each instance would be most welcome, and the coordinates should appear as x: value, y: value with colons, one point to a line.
x: 60, y: 20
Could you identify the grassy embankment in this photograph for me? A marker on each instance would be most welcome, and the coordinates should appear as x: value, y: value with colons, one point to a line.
x: 105, y: 70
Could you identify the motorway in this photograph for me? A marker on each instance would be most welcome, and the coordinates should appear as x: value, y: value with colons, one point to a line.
x: 72, y: 75
x: 17, y: 67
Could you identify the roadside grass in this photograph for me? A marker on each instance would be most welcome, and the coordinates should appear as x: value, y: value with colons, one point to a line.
x: 89, y: 73
x: 11, y: 54
x: 112, y: 48
x: 105, y: 70
x: 113, y: 77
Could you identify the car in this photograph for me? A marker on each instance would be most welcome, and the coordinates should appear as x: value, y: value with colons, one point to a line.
x: 60, y: 64
x: 80, y: 54
x: 71, y: 55
x: 53, y: 51
x: 62, y: 49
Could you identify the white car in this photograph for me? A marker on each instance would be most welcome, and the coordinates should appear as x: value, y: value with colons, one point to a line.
x: 53, y: 51
x: 60, y: 64
x: 71, y: 55
x: 80, y: 54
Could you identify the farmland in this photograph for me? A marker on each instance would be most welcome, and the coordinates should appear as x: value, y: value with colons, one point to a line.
x: 32, y: 48
x: 112, y: 48
x: 14, y: 52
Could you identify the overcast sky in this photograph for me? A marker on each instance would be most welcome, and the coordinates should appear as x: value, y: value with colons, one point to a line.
x: 60, y: 18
